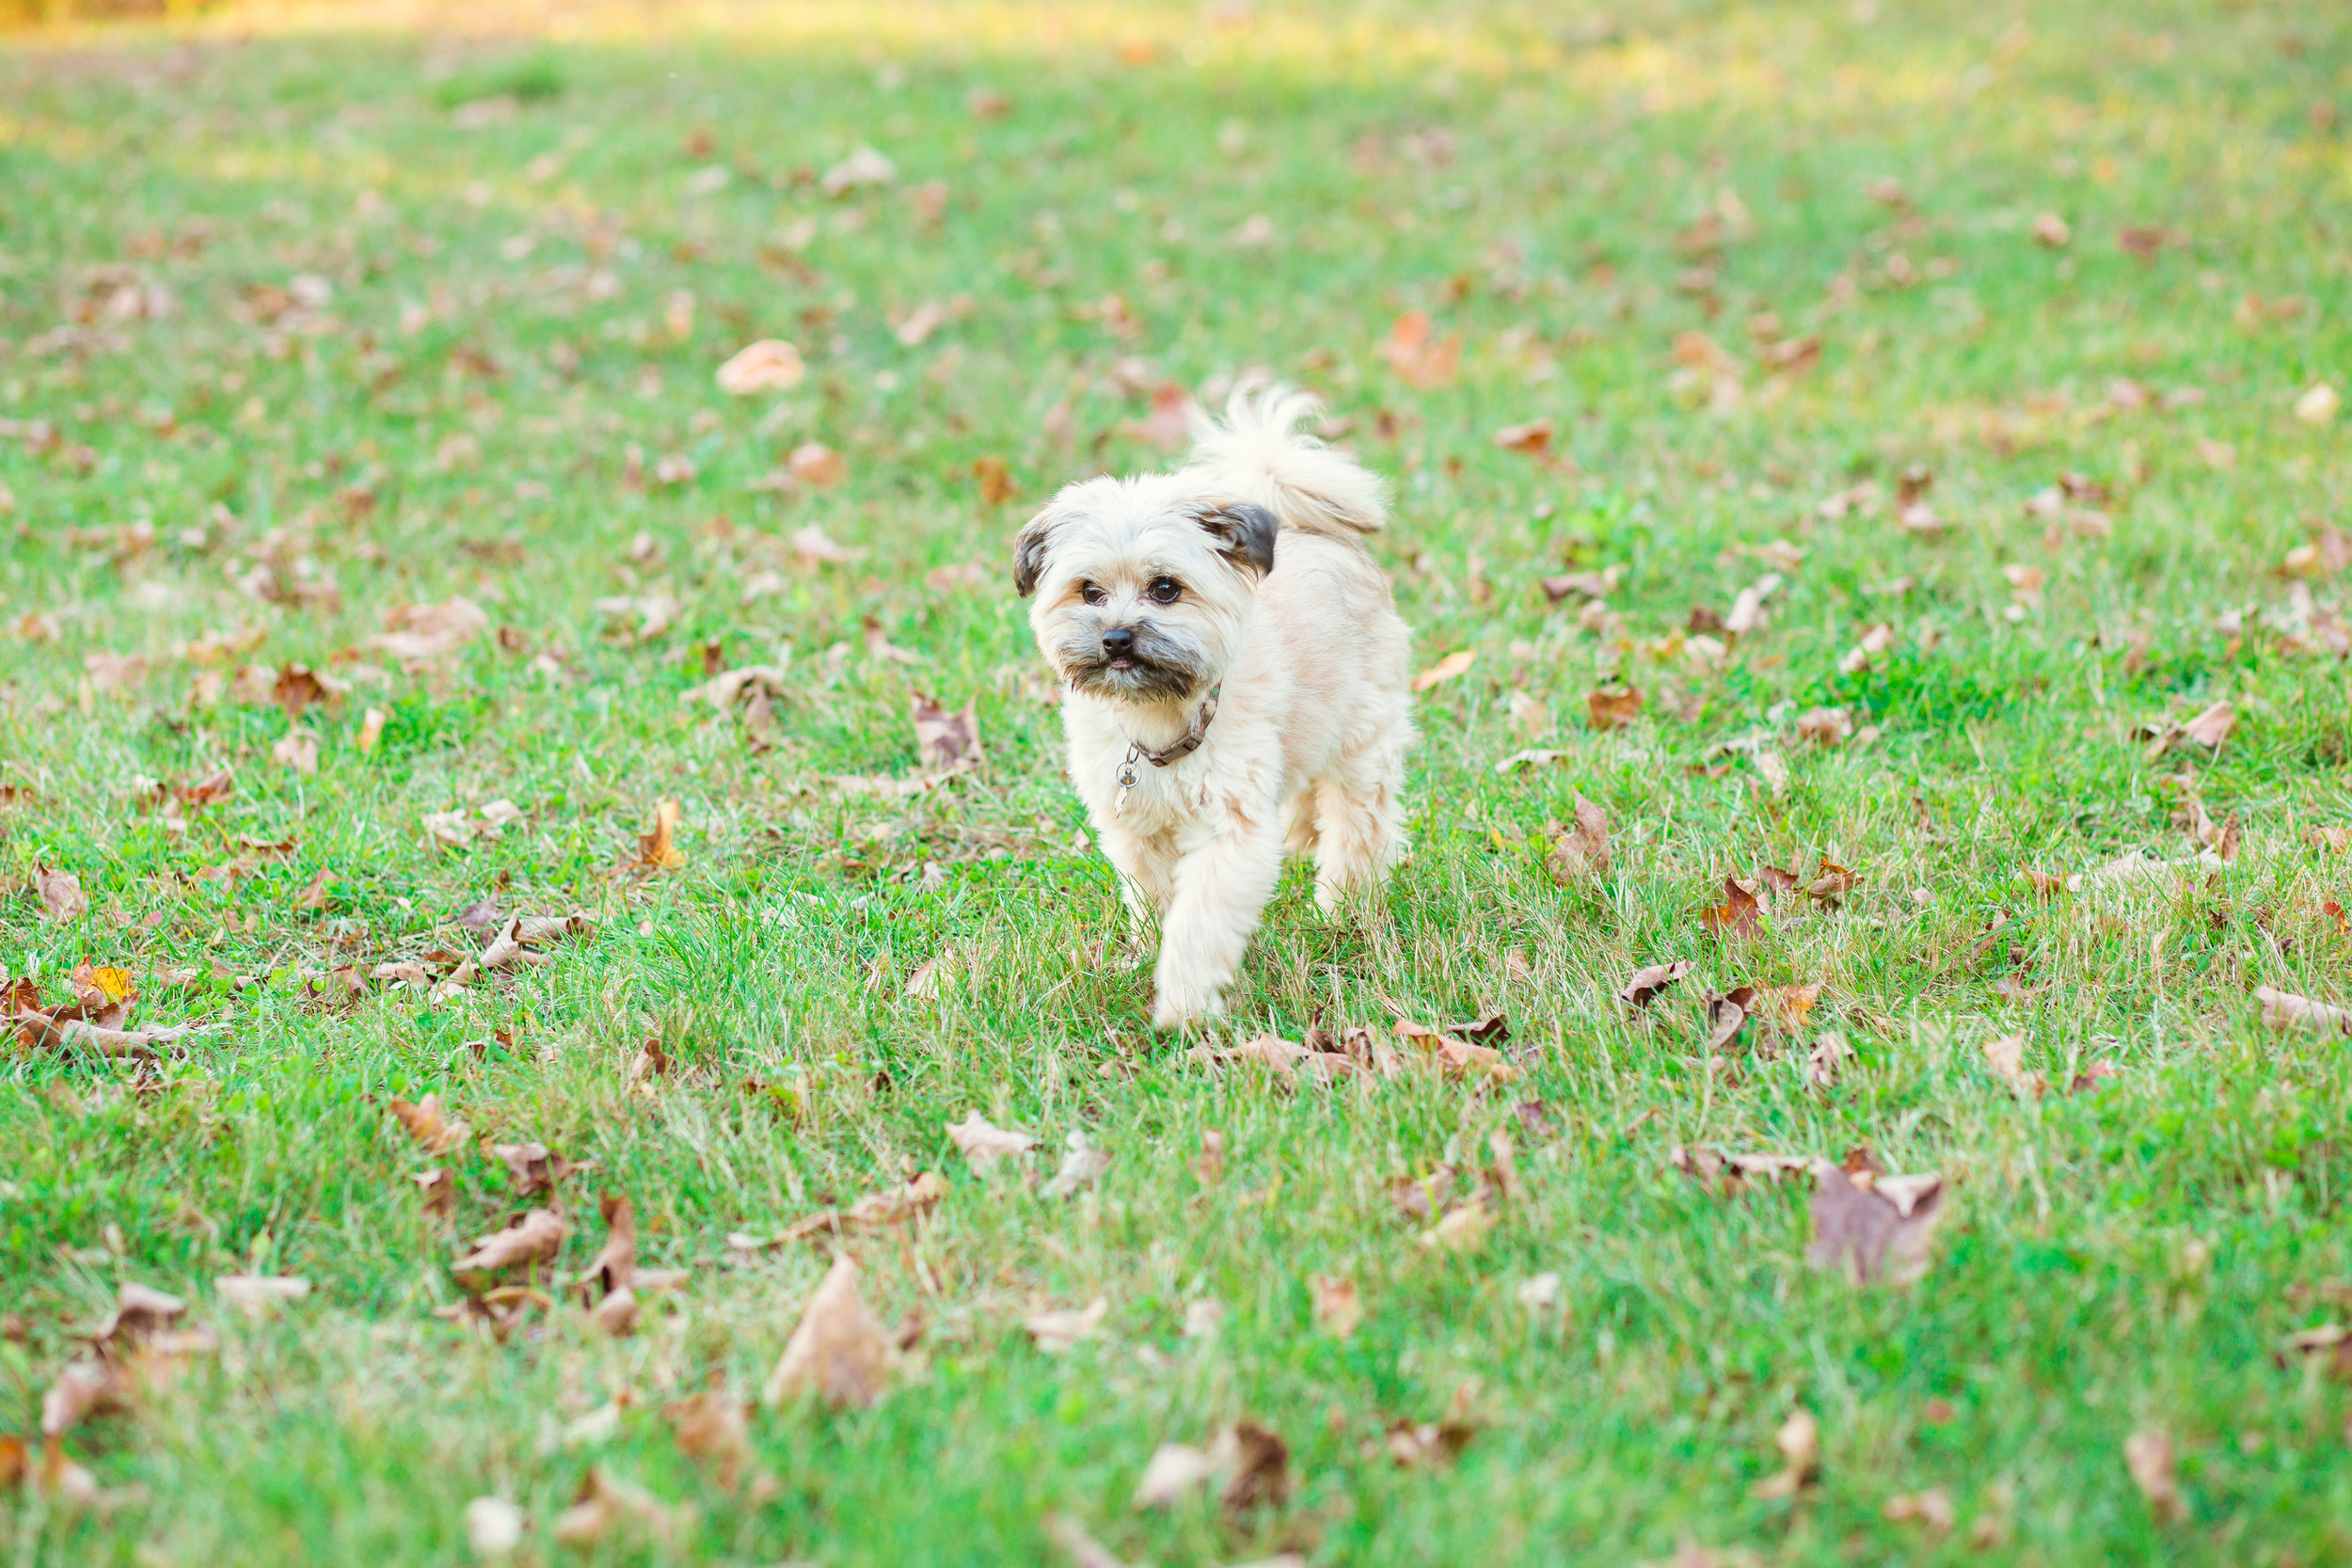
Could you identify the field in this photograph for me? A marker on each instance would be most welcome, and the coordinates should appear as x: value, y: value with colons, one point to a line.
x: 1926, y: 416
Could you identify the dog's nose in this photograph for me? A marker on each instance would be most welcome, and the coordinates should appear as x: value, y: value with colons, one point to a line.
x: 1118, y: 641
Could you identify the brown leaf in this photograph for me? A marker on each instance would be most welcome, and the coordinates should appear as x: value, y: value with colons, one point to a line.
x: 298, y: 687
x: 529, y: 1239
x: 419, y: 632
x: 1173, y: 1471
x: 604, y: 1502
x: 61, y: 892
x: 425, y: 1124
x: 2213, y: 726
x: 1646, y: 983
x: 1533, y: 438
x: 1452, y: 665
x: 1056, y: 1331
x: 2284, y: 1011
x: 1727, y: 1015
x: 439, y: 1192
x: 1739, y: 915
x: 1830, y: 881
x: 817, y: 466
x: 713, y: 1429
x: 1338, y: 1307
x: 1612, y: 706
x: 2007, y: 1057
x: 983, y: 1144
x: 257, y: 1294
x: 2148, y: 1456
x: 1877, y: 1231
x: 996, y: 482
x: 1260, y: 1467
x: 1799, y: 1440
x: 1931, y: 1508
x: 945, y: 741
x: 657, y: 849
x: 1825, y: 726
x: 1417, y: 356
x: 769, y: 365
x: 315, y: 896
x: 1085, y: 1551
x: 838, y: 1351
x: 1580, y: 853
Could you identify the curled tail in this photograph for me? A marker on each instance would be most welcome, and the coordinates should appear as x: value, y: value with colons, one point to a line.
x: 1257, y: 454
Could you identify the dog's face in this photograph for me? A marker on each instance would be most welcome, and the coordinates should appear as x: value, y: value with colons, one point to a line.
x: 1143, y: 586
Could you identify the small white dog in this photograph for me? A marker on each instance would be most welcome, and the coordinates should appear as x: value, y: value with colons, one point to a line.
x: 1236, y: 675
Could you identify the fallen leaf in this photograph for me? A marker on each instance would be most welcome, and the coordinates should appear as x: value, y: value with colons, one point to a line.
x: 1446, y: 669
x: 1533, y: 438
x: 428, y: 1126
x: 1055, y: 1332
x: 1727, y: 1015
x: 838, y: 1351
x: 2007, y: 1057
x: 1085, y: 1551
x: 1799, y: 1440
x: 769, y: 365
x: 420, y: 632
x: 1825, y: 726
x: 984, y: 1144
x: 2148, y: 1456
x: 1580, y: 853
x: 1739, y: 915
x: 259, y: 1293
x: 1646, y: 983
x: 1081, y: 1167
x: 1173, y: 1471
x: 1612, y: 706
x: 2213, y: 726
x: 2318, y: 405
x: 61, y: 893
x: 2052, y: 230
x: 864, y: 168
x: 2284, y: 1011
x: 1880, y: 1231
x: 439, y: 1191
x: 604, y: 1502
x: 298, y: 751
x: 1417, y: 356
x: 1831, y: 882
x: 945, y: 741
x: 530, y: 1238
x: 657, y: 849
x: 1931, y: 1508
x: 1258, y: 1465
x: 813, y: 547
x: 1338, y: 1307
x: 817, y: 466
x: 712, y: 1429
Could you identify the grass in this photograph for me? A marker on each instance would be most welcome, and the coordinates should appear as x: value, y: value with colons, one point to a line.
x: 537, y: 245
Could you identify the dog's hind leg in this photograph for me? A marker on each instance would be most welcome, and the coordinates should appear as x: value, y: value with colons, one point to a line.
x: 1298, y: 824
x: 1358, y: 831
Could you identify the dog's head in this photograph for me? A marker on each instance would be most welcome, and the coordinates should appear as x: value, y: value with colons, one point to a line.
x: 1143, y: 587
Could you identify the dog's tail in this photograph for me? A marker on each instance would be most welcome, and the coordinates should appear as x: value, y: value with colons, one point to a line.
x: 1258, y: 454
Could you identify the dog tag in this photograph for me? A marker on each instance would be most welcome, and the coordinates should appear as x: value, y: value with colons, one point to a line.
x: 1126, y: 786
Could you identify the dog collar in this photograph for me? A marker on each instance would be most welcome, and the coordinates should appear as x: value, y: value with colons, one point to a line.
x: 1185, y: 745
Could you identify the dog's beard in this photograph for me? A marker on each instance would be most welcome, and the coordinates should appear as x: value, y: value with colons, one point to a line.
x: 1159, y: 668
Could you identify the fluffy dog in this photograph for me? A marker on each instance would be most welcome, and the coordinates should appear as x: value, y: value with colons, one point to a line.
x: 1237, y: 675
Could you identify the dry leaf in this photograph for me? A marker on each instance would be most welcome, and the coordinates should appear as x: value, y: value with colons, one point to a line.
x: 838, y: 1351
x: 1085, y: 1551
x: 258, y: 1293
x: 425, y: 1124
x: 813, y: 547
x: 1257, y: 1463
x: 769, y: 365
x: 61, y: 893
x: 1417, y: 356
x: 862, y: 168
x: 419, y: 632
x: 2007, y: 1057
x: 2213, y: 726
x: 984, y: 1144
x: 1081, y: 1166
x: 1612, y: 706
x: 657, y: 849
x: 2149, y: 1457
x: 1646, y: 983
x: 1580, y: 853
x: 1338, y: 1307
x: 494, y: 1526
x: 297, y: 750
x: 530, y: 1238
x: 1739, y: 915
x: 1533, y: 438
x: 1174, y: 1469
x: 439, y: 1192
x: 1055, y: 1332
x: 817, y: 466
x: 1876, y: 1231
x: 1931, y: 1508
x: 2052, y: 230
x: 945, y: 741
x: 1825, y: 726
x: 1799, y: 1440
x: 712, y: 1428
x: 2318, y: 405
x: 2285, y: 1011
x: 604, y: 1502
x: 1446, y: 669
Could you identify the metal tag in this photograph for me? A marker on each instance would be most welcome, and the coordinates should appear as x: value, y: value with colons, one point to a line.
x: 1126, y: 786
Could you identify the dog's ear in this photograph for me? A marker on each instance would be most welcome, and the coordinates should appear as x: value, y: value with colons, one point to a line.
x: 1028, y: 552
x: 1244, y: 535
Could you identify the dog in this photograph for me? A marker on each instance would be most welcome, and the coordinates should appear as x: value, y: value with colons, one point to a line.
x: 1237, y: 682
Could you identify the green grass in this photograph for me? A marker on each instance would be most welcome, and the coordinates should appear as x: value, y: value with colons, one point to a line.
x: 458, y: 417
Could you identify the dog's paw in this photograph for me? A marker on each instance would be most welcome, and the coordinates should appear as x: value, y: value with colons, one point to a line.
x: 1174, y: 1006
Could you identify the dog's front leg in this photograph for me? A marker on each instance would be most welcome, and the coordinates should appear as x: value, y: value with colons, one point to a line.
x: 1146, y: 866
x: 1222, y: 884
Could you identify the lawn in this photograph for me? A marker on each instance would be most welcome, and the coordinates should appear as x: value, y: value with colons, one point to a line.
x: 1925, y: 416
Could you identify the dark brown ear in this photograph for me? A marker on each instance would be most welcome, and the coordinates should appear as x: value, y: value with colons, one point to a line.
x: 1244, y: 535
x: 1029, y: 553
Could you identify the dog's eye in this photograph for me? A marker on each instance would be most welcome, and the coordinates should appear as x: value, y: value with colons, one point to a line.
x: 1093, y: 593
x: 1166, y: 591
